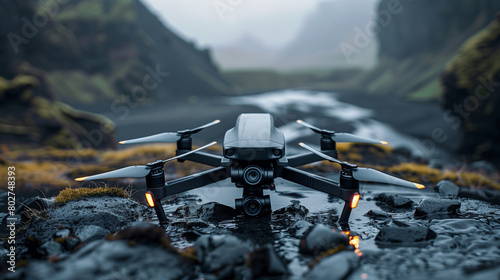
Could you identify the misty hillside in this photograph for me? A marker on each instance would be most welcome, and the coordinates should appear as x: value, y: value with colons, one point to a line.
x: 95, y: 52
x: 99, y: 56
x: 419, y: 41
x: 316, y: 45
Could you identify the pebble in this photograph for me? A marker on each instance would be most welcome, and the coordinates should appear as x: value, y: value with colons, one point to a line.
x: 447, y: 189
x: 435, y: 207
x: 400, y: 233
x: 320, y: 238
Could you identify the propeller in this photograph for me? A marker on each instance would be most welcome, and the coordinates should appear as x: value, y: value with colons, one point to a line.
x: 168, y: 137
x: 137, y: 171
x: 340, y: 137
x: 366, y: 174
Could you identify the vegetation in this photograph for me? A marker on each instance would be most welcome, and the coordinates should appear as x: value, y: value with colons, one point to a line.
x: 74, y: 194
x: 470, y: 83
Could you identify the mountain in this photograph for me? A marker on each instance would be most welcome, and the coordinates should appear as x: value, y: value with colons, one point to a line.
x: 61, y: 56
x: 316, y: 45
x: 418, y: 41
x: 471, y: 93
x: 97, y: 53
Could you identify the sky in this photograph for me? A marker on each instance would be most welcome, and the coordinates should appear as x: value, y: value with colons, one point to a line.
x: 222, y: 22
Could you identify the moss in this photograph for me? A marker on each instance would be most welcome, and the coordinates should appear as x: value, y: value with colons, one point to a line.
x: 74, y: 194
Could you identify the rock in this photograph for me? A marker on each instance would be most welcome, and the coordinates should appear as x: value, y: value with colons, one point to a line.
x: 299, y: 228
x: 110, y: 213
x: 292, y: 211
x: 447, y: 189
x: 377, y: 214
x: 263, y: 261
x: 212, y: 211
x: 337, y: 266
x: 143, y: 233
x: 401, y: 234
x: 221, y: 254
x: 71, y: 243
x: 51, y: 248
x: 394, y: 200
x: 460, y: 226
x: 434, y: 208
x: 89, y: 233
x: 320, y: 238
x: 490, y: 196
x: 103, y: 259
x: 62, y: 233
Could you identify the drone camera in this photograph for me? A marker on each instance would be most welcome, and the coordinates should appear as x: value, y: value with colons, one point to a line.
x: 252, y: 205
x: 252, y: 175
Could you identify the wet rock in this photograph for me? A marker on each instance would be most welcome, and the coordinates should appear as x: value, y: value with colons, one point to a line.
x: 299, y: 228
x: 212, y: 211
x: 189, y: 224
x: 320, y: 238
x: 263, y: 261
x: 436, y: 208
x: 191, y: 235
x: 459, y: 227
x: 490, y: 196
x: 401, y: 234
x: 394, y: 200
x: 111, y: 260
x: 222, y: 254
x: 89, y: 233
x: 110, y: 213
x: 286, y: 216
x: 338, y: 266
x: 447, y: 189
x: 293, y: 211
x: 62, y: 233
x: 51, y: 248
x: 377, y: 214
x: 143, y: 233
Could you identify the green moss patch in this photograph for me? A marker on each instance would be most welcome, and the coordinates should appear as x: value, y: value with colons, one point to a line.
x: 74, y: 194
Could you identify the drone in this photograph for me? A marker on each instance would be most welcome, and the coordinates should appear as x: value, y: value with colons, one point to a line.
x: 253, y: 157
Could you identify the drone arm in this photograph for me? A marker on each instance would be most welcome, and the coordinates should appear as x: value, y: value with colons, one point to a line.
x: 313, y: 181
x: 195, y: 181
x: 321, y: 184
x: 201, y: 157
x: 307, y: 158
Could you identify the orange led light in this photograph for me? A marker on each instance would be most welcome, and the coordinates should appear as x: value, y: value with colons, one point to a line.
x: 81, y: 179
x: 150, y: 199
x: 354, y: 201
x: 419, y: 186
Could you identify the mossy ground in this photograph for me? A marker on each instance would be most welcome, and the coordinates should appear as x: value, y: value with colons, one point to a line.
x: 74, y: 194
x: 54, y: 168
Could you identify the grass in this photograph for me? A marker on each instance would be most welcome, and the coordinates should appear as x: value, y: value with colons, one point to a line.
x: 49, y: 167
x: 74, y: 194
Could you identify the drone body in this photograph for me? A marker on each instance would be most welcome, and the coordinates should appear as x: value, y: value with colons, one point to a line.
x: 253, y: 156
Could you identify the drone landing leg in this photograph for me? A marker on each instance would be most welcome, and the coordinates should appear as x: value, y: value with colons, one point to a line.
x: 160, y: 213
x: 321, y: 184
x: 344, y: 217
